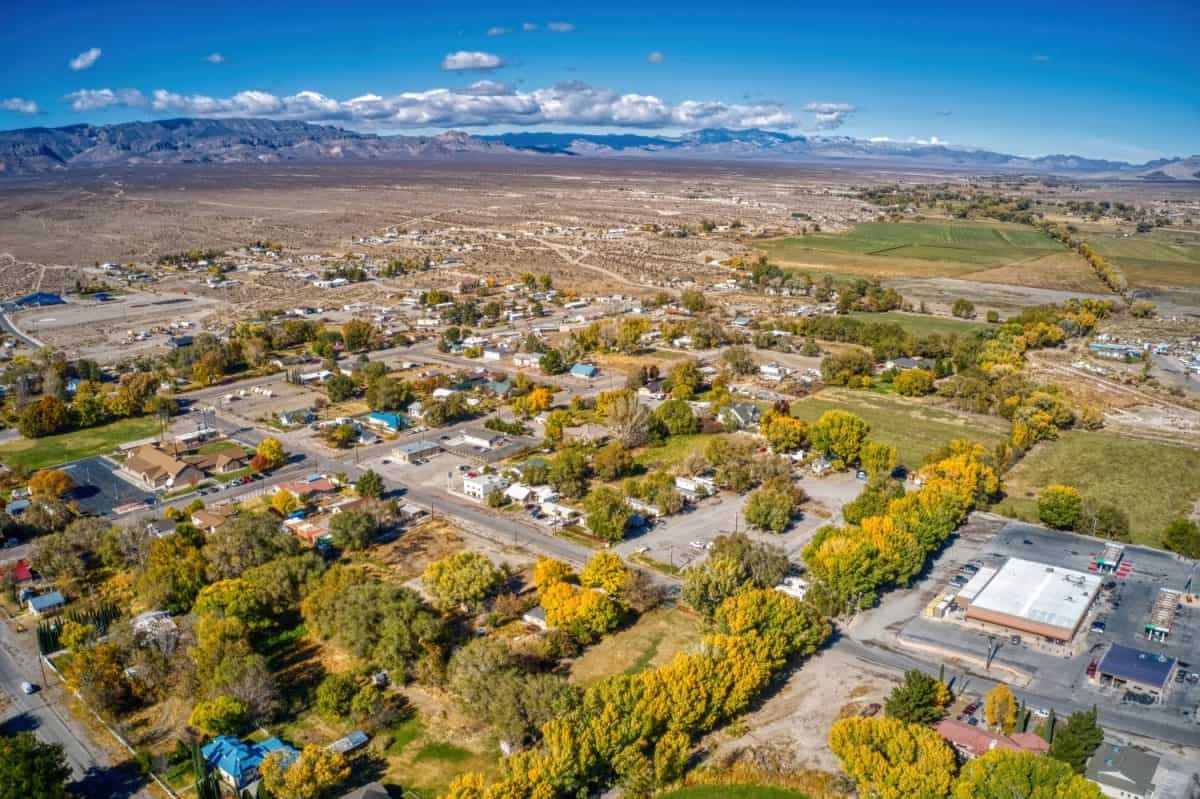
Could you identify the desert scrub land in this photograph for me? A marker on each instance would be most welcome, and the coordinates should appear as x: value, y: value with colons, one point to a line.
x: 38, y: 453
x: 913, y: 427
x: 1151, y: 481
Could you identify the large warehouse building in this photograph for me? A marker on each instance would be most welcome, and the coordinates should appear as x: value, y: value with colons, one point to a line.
x: 1035, y: 598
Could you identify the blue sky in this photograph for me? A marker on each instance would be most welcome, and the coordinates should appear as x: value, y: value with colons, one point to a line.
x: 1098, y: 79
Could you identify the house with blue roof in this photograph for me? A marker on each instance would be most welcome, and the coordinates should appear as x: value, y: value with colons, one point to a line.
x: 237, y: 762
x: 37, y: 300
x: 48, y: 602
x: 584, y: 370
x: 386, y: 421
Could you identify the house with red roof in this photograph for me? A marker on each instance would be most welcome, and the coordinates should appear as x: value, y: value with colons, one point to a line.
x: 971, y: 742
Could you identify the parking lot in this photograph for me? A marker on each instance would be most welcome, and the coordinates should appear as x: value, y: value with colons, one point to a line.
x: 99, y: 487
x: 1122, y: 608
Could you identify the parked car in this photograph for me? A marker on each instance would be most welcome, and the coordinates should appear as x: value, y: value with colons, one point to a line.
x: 958, y: 579
x: 28, y: 688
x: 9, y: 543
x: 969, y: 568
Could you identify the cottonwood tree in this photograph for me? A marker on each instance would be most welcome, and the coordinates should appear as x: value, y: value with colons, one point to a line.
x: 1002, y: 774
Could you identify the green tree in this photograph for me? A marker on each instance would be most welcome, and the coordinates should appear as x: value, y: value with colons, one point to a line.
x: 839, y: 434
x: 1075, y: 741
x: 608, y: 513
x: 552, y: 362
x: 1059, y: 506
x: 677, y: 418
x: 569, y: 472
x: 612, y: 461
x: 739, y: 360
x: 1004, y: 774
x: 339, y: 387
x: 963, y: 308
x: 334, y: 695
x: 770, y: 509
x: 839, y: 369
x: 917, y: 700
x: 1103, y: 520
x: 42, y: 418
x: 30, y: 769
x: 370, y: 484
x: 877, y: 458
x: 222, y: 715
x: 465, y: 579
x: 1182, y: 536
x: 352, y: 529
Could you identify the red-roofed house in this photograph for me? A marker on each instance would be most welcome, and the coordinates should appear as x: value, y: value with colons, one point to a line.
x: 306, y: 488
x: 972, y: 742
x: 20, y: 572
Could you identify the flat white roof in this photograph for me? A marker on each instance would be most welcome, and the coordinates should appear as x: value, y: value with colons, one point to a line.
x: 976, y: 584
x: 1039, y: 593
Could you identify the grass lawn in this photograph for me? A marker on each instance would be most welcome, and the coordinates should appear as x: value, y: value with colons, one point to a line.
x: 653, y: 640
x: 1152, y: 482
x: 916, y: 249
x: 38, y: 453
x: 732, y: 792
x: 237, y: 474
x: 914, y: 428
x: 922, y: 324
x: 673, y: 452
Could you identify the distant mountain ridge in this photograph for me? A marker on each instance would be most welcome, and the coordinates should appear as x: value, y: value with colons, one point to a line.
x: 182, y: 141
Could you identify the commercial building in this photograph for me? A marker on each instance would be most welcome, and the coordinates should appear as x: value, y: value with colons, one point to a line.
x: 413, y: 450
x: 1035, y: 598
x: 1124, y: 667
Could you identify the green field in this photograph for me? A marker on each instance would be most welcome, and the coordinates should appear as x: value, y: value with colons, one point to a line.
x: 922, y: 324
x: 673, y: 452
x: 38, y: 453
x: 731, y: 792
x: 913, y: 428
x: 1160, y: 258
x: 1152, y: 482
x: 917, y: 249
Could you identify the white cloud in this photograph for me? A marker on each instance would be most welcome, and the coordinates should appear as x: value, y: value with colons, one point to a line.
x: 471, y: 59
x: 932, y: 140
x: 830, y: 115
x: 529, y: 26
x: 498, y: 30
x: 560, y: 27
x: 95, y: 99
x: 215, y: 58
x: 656, y: 57
x: 483, y: 103
x: 19, y: 105
x: 85, y: 59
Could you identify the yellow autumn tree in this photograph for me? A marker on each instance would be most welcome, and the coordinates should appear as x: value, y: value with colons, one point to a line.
x: 890, y: 759
x: 284, y: 502
x: 548, y: 571
x: 315, y: 771
x: 1000, y: 708
x: 605, y: 570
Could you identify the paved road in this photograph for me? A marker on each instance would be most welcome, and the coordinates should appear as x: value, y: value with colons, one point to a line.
x: 41, y: 713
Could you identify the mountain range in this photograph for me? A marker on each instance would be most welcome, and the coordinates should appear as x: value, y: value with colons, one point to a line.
x: 180, y: 141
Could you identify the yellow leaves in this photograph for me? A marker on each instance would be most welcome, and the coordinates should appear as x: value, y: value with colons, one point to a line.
x: 314, y: 772
x: 584, y: 613
x: 784, y: 432
x: 1000, y: 708
x: 548, y: 571
x: 284, y: 502
x: 889, y: 759
x: 605, y: 570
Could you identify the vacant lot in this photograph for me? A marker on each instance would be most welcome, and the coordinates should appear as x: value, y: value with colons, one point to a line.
x: 916, y: 249
x: 923, y: 324
x: 673, y: 452
x: 652, y: 641
x: 914, y: 428
x: 1152, y: 482
x: 732, y: 792
x: 1160, y: 258
x: 38, y: 453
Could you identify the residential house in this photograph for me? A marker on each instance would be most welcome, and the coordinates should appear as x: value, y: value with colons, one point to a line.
x: 480, y: 486
x: 237, y: 762
x: 588, y: 433
x: 349, y: 743
x: 387, y: 421
x: 154, y: 468
x: 774, y: 372
x: 209, y: 519
x: 312, y: 485
x: 526, y: 360
x: 695, y: 488
x: 584, y: 371
x: 372, y: 790
x: 47, y: 603
x: 19, y: 572
x: 742, y: 415
x: 900, y: 364
x: 230, y: 459
x: 1122, y: 772
x: 518, y: 493
x: 971, y: 742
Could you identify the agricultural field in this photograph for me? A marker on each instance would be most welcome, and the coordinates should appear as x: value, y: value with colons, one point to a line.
x: 923, y: 324
x: 38, y: 453
x: 914, y: 428
x: 650, y: 642
x: 1162, y: 258
x: 1151, y: 481
x: 918, y: 249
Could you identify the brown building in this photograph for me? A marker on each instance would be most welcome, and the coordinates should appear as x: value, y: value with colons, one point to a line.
x: 156, y: 469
